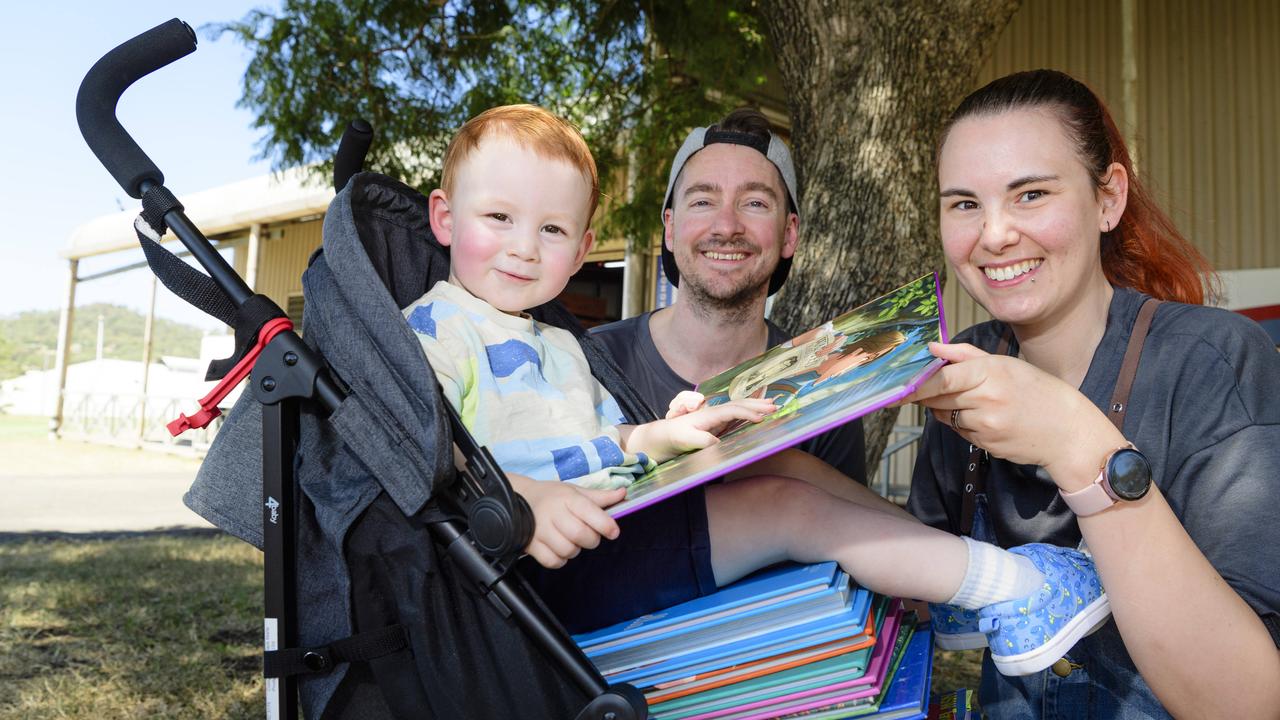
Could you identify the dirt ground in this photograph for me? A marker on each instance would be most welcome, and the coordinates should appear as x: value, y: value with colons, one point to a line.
x: 76, y: 487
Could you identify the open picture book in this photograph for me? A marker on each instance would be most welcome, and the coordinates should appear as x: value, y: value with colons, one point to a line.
x: 861, y: 361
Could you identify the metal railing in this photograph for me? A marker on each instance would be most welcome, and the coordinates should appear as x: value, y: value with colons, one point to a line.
x: 132, y: 420
x: 893, y: 476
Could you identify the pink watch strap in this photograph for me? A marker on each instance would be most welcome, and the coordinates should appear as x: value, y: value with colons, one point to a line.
x: 1089, y: 500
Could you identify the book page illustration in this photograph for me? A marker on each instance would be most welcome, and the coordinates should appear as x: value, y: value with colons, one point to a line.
x: 843, y: 369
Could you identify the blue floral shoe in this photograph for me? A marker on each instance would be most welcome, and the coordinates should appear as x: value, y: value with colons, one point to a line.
x: 955, y: 628
x: 1030, y: 634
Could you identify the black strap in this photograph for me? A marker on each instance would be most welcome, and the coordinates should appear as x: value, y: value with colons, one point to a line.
x: 975, y: 483
x: 182, y: 280
x: 975, y: 471
x: 196, y: 288
x: 715, y: 135
x: 975, y: 475
x: 249, y: 318
x: 360, y: 647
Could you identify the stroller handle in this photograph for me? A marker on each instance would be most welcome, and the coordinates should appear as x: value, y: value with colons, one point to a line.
x: 352, y: 150
x: 102, y: 87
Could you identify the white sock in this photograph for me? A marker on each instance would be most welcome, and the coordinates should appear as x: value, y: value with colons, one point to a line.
x: 995, y: 575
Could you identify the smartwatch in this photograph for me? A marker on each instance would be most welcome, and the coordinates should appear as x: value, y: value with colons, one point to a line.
x: 1125, y: 475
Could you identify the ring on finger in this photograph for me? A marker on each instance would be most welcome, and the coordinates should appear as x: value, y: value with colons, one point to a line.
x: 955, y: 419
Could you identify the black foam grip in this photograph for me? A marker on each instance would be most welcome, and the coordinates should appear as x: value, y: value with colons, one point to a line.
x: 101, y: 89
x: 351, y: 152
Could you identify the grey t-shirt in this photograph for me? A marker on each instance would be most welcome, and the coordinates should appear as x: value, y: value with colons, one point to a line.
x: 1204, y: 409
x: 633, y: 349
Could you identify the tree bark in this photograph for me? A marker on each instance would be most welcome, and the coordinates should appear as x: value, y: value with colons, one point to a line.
x: 869, y: 84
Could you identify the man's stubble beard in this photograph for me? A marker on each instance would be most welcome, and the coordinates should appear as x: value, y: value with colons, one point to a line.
x: 736, y: 306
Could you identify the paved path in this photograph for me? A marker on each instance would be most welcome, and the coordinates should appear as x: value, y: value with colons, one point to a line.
x: 73, y: 487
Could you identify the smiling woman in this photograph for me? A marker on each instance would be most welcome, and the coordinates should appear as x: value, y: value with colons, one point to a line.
x: 1050, y: 230
x: 1019, y: 208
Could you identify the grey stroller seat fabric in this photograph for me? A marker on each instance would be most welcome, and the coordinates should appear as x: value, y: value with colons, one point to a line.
x: 367, y: 476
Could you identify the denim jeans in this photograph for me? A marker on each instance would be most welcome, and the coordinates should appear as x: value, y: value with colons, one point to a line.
x: 1103, y: 682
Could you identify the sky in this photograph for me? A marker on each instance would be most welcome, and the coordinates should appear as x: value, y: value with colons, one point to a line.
x: 184, y: 116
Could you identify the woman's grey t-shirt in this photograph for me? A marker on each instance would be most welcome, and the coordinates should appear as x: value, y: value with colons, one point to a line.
x: 1204, y: 409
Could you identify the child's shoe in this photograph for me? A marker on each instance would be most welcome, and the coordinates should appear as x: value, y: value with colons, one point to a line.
x: 1030, y: 634
x: 955, y: 628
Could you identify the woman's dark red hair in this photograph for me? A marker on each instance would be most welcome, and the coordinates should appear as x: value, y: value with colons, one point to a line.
x: 1145, y: 251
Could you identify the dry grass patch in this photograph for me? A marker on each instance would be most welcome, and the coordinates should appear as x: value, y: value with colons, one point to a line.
x: 155, y: 627
x: 955, y: 670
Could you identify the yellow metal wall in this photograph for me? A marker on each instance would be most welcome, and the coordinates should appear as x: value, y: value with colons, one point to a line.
x: 1207, y: 102
x: 1209, y: 94
x: 1081, y: 37
x: 285, y: 249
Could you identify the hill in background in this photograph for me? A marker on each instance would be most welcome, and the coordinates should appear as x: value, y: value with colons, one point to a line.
x: 29, y: 339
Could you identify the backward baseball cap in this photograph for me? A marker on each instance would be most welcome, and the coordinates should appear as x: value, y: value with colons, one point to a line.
x: 774, y: 150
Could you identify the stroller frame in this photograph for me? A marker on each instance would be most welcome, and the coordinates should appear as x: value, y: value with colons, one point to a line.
x: 288, y: 372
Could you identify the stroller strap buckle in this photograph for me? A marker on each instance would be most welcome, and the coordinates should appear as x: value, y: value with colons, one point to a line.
x: 360, y: 647
x: 209, y: 403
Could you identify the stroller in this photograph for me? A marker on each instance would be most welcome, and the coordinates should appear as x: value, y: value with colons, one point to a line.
x: 389, y: 588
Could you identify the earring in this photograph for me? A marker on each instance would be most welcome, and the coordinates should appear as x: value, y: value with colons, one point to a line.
x: 1108, y: 227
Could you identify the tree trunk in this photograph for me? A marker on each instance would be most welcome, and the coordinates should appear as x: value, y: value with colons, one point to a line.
x: 869, y: 84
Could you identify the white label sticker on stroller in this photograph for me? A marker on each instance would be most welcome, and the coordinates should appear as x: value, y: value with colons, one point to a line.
x: 270, y: 641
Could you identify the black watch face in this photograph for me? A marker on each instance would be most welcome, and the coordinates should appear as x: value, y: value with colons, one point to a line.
x: 1129, y: 474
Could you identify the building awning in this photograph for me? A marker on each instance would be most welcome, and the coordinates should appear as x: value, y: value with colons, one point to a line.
x: 275, y: 197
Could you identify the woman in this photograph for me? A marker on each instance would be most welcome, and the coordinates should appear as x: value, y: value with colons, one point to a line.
x: 1047, y: 227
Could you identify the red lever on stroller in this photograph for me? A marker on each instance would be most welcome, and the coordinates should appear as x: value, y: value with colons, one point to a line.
x: 209, y: 403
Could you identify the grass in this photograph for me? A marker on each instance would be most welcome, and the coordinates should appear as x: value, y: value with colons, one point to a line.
x: 159, y: 627
x: 23, y: 428
x: 162, y: 626
x: 955, y: 670
x: 154, y: 627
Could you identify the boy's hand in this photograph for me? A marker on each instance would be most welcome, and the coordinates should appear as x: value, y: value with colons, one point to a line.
x: 664, y: 439
x: 684, y: 403
x: 568, y: 518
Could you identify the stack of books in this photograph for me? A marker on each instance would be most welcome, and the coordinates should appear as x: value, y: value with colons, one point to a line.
x: 794, y: 641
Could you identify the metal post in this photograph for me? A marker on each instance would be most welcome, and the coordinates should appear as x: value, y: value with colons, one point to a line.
x: 634, y: 281
x: 279, y: 443
x: 254, y: 256
x: 148, y: 338
x: 65, y: 321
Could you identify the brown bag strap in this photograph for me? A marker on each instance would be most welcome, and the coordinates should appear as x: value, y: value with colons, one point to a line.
x: 975, y: 474
x: 1129, y: 368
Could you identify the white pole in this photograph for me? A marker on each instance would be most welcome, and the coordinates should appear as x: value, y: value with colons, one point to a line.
x: 148, y: 338
x: 254, y: 256
x: 64, y: 346
x: 102, y: 323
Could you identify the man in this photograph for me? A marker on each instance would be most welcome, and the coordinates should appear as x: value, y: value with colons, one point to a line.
x: 730, y: 228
